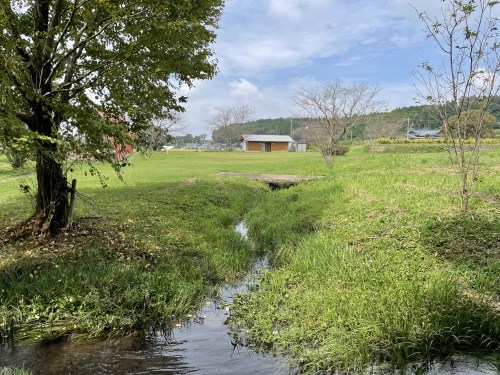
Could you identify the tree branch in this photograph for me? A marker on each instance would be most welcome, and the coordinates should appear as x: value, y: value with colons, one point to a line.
x: 9, y: 16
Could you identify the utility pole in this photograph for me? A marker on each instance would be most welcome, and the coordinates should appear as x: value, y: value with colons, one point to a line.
x: 408, y: 129
x: 291, y: 128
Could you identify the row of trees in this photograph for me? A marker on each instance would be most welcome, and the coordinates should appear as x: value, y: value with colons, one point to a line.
x: 369, y: 125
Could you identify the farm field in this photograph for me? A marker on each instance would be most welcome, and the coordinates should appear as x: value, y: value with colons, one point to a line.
x: 371, y: 263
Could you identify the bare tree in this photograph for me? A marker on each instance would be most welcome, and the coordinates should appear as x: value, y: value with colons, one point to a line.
x: 162, y: 130
x: 380, y: 128
x: 332, y: 109
x: 227, y: 122
x: 466, y: 32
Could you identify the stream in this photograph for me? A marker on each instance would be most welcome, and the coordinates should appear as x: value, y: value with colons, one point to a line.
x: 201, y: 346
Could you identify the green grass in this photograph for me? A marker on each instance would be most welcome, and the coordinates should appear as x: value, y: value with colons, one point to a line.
x: 371, y: 263
x: 374, y: 263
x: 6, y: 170
x: 13, y: 371
x: 146, y: 251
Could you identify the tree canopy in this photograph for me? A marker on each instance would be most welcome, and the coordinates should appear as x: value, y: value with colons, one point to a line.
x: 81, y: 76
x: 470, y: 123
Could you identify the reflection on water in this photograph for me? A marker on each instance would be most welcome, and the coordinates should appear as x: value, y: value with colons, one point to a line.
x: 467, y: 365
x: 201, y: 346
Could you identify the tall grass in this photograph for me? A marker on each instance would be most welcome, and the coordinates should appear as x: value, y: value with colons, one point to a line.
x: 373, y: 264
x: 14, y: 371
x: 146, y: 250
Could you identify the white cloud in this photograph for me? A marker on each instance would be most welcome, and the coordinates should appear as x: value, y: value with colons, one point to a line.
x: 280, y: 46
x: 294, y: 9
x: 283, y: 8
x: 244, y: 89
x: 302, y: 30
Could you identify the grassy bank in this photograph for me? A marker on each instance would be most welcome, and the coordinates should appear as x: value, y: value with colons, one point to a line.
x: 374, y: 263
x: 145, y: 253
x: 14, y: 371
x: 371, y: 263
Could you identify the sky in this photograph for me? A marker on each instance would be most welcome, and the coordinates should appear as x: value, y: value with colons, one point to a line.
x: 267, y: 50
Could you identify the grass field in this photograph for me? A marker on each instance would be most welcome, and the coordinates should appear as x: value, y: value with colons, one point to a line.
x: 146, y: 252
x: 371, y: 263
x: 375, y: 263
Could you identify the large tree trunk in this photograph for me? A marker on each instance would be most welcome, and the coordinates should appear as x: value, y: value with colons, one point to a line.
x: 52, y: 192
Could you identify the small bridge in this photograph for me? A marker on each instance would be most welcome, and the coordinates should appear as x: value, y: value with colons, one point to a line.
x: 275, y: 181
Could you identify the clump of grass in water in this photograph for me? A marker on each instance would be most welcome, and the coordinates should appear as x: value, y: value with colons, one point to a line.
x: 14, y: 371
x: 336, y: 308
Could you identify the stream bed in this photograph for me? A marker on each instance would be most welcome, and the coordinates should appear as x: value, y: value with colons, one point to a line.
x: 200, y: 346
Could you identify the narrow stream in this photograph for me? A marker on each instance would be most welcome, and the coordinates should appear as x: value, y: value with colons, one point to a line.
x: 201, y: 346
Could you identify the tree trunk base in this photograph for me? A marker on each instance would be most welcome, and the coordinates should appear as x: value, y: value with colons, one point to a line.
x: 37, y: 227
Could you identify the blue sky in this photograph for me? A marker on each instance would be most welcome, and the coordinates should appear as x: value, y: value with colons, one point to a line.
x: 268, y: 49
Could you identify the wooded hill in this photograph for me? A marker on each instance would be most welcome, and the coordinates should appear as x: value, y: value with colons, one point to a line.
x: 418, y: 117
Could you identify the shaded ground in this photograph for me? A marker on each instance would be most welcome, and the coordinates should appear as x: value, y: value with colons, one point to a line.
x: 273, y: 180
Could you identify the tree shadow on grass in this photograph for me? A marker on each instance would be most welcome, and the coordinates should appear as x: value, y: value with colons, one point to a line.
x: 468, y: 240
x: 150, y: 255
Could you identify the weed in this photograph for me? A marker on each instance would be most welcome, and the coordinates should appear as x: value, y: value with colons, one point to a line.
x: 379, y: 276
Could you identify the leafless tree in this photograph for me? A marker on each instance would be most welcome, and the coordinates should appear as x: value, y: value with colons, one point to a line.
x: 162, y: 130
x: 227, y: 122
x: 466, y: 33
x: 332, y: 109
x: 380, y: 128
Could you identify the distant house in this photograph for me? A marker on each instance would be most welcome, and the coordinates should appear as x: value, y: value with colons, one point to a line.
x: 420, y: 134
x: 266, y: 143
x: 120, y: 151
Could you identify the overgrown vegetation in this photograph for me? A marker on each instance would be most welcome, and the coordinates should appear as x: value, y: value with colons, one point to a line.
x: 371, y: 263
x: 374, y: 263
x: 144, y: 253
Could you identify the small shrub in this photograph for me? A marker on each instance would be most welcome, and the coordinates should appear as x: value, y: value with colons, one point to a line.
x: 341, y: 150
